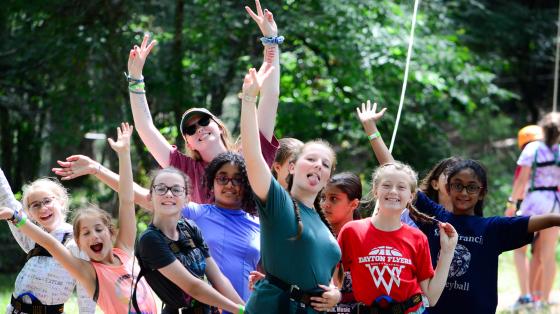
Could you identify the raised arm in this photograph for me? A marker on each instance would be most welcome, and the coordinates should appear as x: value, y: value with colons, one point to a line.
x: 270, y: 89
x: 79, y: 165
x: 150, y: 135
x: 197, y: 288
x: 369, y: 117
x: 78, y: 268
x: 127, y: 216
x: 258, y: 171
x: 433, y: 287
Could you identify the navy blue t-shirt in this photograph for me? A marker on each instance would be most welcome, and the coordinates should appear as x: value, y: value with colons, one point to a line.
x: 472, y: 284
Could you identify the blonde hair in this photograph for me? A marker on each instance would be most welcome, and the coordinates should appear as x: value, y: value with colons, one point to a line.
x: 91, y: 212
x: 49, y: 184
x: 379, y: 174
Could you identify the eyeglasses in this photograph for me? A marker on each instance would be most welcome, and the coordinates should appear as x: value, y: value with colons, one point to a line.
x: 191, y: 129
x: 161, y: 189
x: 223, y: 180
x: 471, y: 188
x: 47, y: 201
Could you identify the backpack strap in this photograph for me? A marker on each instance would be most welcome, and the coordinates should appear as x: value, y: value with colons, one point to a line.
x: 38, y: 250
x: 188, y: 231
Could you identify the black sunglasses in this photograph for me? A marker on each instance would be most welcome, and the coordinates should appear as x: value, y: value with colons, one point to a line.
x: 191, y: 129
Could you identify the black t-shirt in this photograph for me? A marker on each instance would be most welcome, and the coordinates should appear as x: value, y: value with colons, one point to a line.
x: 155, y: 251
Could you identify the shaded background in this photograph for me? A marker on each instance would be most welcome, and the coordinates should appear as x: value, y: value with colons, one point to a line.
x: 480, y: 71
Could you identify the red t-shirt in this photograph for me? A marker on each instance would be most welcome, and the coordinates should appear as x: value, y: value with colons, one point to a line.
x: 194, y: 169
x: 385, y: 263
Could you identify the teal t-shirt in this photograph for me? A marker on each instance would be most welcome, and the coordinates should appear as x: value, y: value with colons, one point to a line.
x: 306, y: 262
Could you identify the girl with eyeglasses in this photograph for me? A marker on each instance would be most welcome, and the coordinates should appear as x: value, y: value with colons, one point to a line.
x: 229, y: 225
x: 43, y: 283
x: 472, y: 282
x: 108, y: 275
x: 174, y: 256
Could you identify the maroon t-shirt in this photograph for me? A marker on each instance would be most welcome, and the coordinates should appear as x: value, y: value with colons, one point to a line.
x: 195, y: 168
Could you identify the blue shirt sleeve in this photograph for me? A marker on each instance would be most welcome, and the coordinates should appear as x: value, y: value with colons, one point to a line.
x: 425, y: 205
x: 193, y: 211
x: 511, y: 232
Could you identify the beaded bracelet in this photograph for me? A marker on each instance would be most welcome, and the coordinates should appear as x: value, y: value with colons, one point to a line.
x: 275, y: 40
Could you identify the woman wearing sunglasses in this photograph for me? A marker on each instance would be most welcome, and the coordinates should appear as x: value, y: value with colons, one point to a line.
x: 205, y: 135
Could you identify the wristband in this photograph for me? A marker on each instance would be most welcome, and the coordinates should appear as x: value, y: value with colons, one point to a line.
x: 275, y: 40
x: 136, y: 88
x: 22, y: 221
x: 374, y: 135
x: 241, y: 309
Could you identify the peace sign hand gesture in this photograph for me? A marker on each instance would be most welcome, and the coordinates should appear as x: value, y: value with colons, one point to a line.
x: 265, y: 20
x: 137, y: 57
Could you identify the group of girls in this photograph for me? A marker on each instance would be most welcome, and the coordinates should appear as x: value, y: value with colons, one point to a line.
x: 220, y: 220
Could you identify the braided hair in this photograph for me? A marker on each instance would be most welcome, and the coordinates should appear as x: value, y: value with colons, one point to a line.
x: 316, y: 202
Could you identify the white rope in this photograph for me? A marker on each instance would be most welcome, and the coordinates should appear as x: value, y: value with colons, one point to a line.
x: 555, y: 97
x: 403, y: 90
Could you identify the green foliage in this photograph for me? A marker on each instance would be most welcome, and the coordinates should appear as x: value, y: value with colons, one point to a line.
x: 475, y: 63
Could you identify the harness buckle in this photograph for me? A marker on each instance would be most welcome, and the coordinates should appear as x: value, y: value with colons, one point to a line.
x: 294, y: 290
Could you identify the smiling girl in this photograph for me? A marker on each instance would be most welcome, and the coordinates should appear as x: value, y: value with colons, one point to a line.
x: 108, y: 276
x: 43, y: 283
x: 174, y: 256
x: 472, y: 283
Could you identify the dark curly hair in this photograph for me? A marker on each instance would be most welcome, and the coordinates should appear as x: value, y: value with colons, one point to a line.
x: 248, y: 199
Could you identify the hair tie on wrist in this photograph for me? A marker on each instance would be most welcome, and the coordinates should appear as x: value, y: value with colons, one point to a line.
x: 273, y: 40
